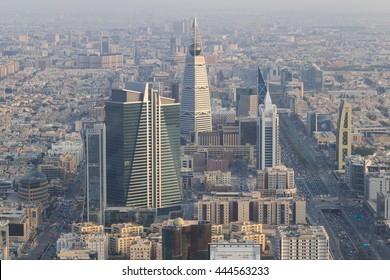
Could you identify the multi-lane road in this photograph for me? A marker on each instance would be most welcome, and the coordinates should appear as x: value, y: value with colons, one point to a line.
x: 65, y: 211
x: 329, y: 202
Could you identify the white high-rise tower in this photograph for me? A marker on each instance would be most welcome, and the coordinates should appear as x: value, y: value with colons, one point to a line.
x: 195, y: 111
x: 268, y: 149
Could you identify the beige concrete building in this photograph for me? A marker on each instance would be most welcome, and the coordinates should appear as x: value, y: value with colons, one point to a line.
x: 129, y: 228
x: 119, y: 244
x: 34, y: 214
x: 270, y: 211
x: 141, y: 250
x: 383, y: 205
x: 68, y: 162
x: 216, y: 238
x: 216, y: 229
x: 25, y: 219
x: 301, y: 243
x: 276, y: 181
x: 9, y: 68
x: 218, y: 181
x: 21, y: 226
x: 216, y: 211
x: 110, y: 61
x: 87, y: 227
x: 375, y: 183
x: 243, y: 231
x: 245, y: 227
x: 218, y: 177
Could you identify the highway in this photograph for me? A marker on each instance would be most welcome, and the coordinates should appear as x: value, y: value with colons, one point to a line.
x: 329, y: 202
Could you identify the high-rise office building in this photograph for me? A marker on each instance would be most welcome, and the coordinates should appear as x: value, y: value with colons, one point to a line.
x: 261, y: 87
x: 105, y: 47
x: 268, y: 149
x: 344, y: 133
x: 247, y: 127
x: 318, y: 123
x: 195, y: 110
x: 324, y: 122
x: 311, y: 123
x: 95, y: 159
x: 313, y: 78
x: 246, y: 102
x: 286, y: 76
x: 176, y: 91
x: 143, y: 149
x: 356, y: 168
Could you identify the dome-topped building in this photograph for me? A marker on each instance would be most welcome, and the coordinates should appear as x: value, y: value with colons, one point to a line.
x: 178, y: 222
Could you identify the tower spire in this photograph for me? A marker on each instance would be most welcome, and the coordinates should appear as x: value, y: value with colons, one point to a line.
x: 261, y: 87
x: 195, y: 111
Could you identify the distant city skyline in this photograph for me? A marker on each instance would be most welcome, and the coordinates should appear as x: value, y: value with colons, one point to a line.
x: 92, y: 103
x: 74, y: 6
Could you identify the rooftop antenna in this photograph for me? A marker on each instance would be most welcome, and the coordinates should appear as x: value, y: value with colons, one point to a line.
x: 268, y: 80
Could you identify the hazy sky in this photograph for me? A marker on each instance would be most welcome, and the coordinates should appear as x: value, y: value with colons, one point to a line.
x: 128, y: 6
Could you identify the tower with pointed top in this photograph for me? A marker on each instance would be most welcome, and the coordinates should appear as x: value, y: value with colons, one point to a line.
x: 195, y: 110
x: 268, y: 149
x: 344, y: 133
x: 261, y: 87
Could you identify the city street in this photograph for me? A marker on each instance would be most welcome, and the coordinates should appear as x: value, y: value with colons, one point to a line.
x: 65, y: 212
x: 329, y: 202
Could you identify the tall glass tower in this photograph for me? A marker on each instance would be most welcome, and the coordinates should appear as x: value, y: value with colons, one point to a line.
x: 268, y: 149
x: 344, y: 136
x: 143, y: 149
x: 95, y: 155
x: 195, y: 111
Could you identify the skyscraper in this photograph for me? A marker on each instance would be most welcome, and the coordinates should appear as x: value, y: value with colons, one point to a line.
x: 95, y: 158
x: 344, y: 133
x: 268, y: 149
x: 195, y: 111
x: 105, y: 47
x: 143, y: 149
x: 261, y: 87
x: 313, y: 78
